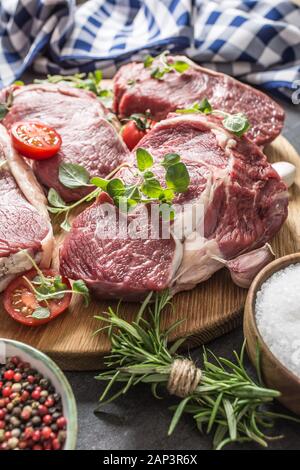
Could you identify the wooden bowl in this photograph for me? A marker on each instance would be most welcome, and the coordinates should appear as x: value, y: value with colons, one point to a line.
x: 274, y: 373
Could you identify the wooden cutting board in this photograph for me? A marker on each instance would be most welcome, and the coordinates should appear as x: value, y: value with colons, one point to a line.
x: 210, y: 310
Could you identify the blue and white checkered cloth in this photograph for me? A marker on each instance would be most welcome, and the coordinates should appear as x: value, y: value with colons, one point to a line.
x: 255, y: 41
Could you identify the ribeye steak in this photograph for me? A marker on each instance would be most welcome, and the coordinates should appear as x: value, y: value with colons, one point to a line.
x: 135, y: 91
x: 244, y: 204
x: 88, y: 139
x: 23, y: 227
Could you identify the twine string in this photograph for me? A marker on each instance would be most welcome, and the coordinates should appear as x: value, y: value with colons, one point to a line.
x: 184, y: 378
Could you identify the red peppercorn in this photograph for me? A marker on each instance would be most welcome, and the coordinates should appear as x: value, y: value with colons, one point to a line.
x: 31, y: 379
x: 15, y: 360
x: 36, y: 394
x: 7, y: 435
x: 37, y: 447
x: 28, y: 433
x: 2, y: 403
x: 17, y: 377
x: 6, y: 392
x: 47, y: 419
x: 61, y: 422
x: 36, y: 435
x: 46, y: 432
x: 26, y: 415
x: 8, y: 374
x: 2, y: 413
x: 2, y: 424
x: 49, y: 402
x: 25, y: 395
x: 56, y: 444
x: 22, y: 444
x: 42, y: 410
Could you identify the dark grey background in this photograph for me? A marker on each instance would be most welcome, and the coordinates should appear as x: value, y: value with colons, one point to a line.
x: 138, y: 420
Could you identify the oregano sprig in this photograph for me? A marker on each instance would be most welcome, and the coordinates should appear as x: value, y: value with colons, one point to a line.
x: 237, y: 124
x: 145, y: 189
x: 47, y: 287
x: 160, y: 65
x: 5, y: 106
x: 226, y: 402
x: 90, y: 81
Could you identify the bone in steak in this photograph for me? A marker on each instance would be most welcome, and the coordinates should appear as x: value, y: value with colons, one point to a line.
x: 136, y: 91
x: 244, y: 204
x: 23, y: 227
x: 88, y: 139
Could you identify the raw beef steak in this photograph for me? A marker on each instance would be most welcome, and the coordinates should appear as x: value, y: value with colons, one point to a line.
x: 243, y: 201
x: 136, y: 91
x: 88, y: 139
x: 22, y: 226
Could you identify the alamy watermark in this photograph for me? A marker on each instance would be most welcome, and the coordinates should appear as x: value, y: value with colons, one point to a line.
x: 151, y: 221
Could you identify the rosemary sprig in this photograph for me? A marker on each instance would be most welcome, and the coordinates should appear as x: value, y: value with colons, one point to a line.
x: 227, y: 401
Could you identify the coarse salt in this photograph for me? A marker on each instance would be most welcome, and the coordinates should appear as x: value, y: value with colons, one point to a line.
x: 277, y: 312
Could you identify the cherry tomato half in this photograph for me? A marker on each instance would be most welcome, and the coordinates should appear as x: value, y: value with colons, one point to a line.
x: 132, y: 132
x: 35, y: 140
x: 20, y: 302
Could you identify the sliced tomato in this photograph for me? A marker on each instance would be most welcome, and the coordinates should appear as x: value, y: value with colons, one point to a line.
x: 134, y: 130
x: 35, y: 140
x: 20, y: 302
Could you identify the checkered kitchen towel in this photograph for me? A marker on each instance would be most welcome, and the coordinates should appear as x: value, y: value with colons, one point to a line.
x: 256, y: 41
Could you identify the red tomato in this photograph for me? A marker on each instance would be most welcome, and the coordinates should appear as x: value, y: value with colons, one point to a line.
x: 20, y: 302
x: 35, y: 140
x: 135, y: 130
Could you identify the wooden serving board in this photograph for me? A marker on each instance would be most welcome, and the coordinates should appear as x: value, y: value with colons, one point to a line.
x: 210, y: 310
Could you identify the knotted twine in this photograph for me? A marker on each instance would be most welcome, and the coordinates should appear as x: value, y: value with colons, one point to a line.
x: 184, y: 378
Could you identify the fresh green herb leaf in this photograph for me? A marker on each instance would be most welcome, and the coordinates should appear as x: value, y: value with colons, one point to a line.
x: 131, y: 82
x: 180, y: 66
x: 144, y: 159
x: 73, y: 176
x: 152, y: 188
x: 40, y: 313
x: 170, y: 159
x: 148, y: 61
x: 162, y: 65
x: 115, y: 188
x: 97, y: 76
x: 55, y: 199
x: 167, y: 195
x: 178, y: 178
x: 19, y: 83
x: 99, y: 182
x: 3, y: 110
x: 80, y: 287
x: 203, y: 106
x: 238, y: 124
x: 159, y: 73
x: 65, y: 225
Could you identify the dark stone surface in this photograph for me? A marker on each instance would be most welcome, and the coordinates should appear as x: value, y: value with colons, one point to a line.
x: 138, y: 420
